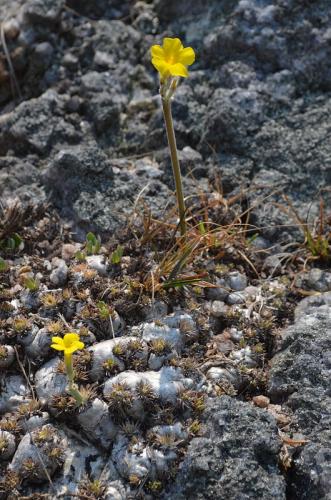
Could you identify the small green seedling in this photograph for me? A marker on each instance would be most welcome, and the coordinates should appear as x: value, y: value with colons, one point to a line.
x: 104, y: 311
x: 31, y: 284
x: 117, y: 255
x: 12, y: 243
x: 93, y: 244
x: 3, y: 265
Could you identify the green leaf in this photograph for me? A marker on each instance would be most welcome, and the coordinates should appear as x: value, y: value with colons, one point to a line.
x: 31, y: 284
x: 3, y: 265
x: 117, y: 255
x: 80, y: 256
x: 202, y: 228
x: 93, y: 244
x: 103, y: 309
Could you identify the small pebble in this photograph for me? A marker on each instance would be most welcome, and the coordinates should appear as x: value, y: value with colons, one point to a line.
x: 218, y: 309
x: 98, y: 263
x: 237, y: 281
x: 261, y: 401
x: 59, y: 275
x: 235, y: 298
x: 11, y: 29
x: 69, y: 250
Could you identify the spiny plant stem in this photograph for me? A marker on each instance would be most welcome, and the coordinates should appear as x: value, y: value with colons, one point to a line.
x: 70, y: 374
x: 166, y: 104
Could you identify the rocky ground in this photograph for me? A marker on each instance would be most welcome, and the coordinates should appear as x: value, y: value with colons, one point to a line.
x: 207, y: 366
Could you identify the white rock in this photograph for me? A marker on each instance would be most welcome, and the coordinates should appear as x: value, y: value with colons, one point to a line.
x: 245, y: 356
x: 140, y: 460
x: 49, y: 382
x: 115, y: 491
x: 98, y: 263
x: 152, y: 331
x: 166, y: 383
x: 176, y: 430
x: 236, y: 335
x: 81, y: 460
x: 104, y: 350
x: 97, y: 423
x: 230, y: 375
x: 155, y: 362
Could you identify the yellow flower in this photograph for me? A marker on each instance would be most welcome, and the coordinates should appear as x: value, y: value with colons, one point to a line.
x: 172, y: 59
x: 69, y: 343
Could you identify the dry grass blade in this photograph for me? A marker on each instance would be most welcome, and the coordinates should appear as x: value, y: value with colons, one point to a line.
x: 13, y: 80
x: 11, y: 218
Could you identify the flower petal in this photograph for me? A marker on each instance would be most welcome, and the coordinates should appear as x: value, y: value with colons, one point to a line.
x: 161, y: 65
x: 187, y: 56
x: 58, y: 347
x: 57, y: 340
x: 74, y: 347
x: 157, y: 51
x: 70, y: 338
x: 172, y: 47
x: 178, y: 70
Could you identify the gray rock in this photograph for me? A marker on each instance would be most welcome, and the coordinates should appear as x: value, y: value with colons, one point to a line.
x: 156, y: 310
x: 219, y: 309
x: 235, y: 298
x: 7, y: 356
x: 220, y: 293
x: 37, y: 125
x: 39, y: 12
x: 14, y: 392
x: 38, y: 452
x: 300, y: 378
x: 237, y: 281
x: 20, y: 179
x: 59, y: 275
x: 41, y: 344
x: 7, y: 449
x: 316, y: 279
x: 237, y: 456
x: 35, y: 421
x: 97, y: 424
x: 48, y: 382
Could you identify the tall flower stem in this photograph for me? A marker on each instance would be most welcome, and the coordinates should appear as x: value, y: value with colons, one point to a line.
x: 166, y: 104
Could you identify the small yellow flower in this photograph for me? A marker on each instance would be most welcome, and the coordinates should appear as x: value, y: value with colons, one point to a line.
x: 172, y: 59
x: 69, y: 343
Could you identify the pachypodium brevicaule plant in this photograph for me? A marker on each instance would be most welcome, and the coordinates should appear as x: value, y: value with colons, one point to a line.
x: 171, y: 61
x: 70, y: 343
